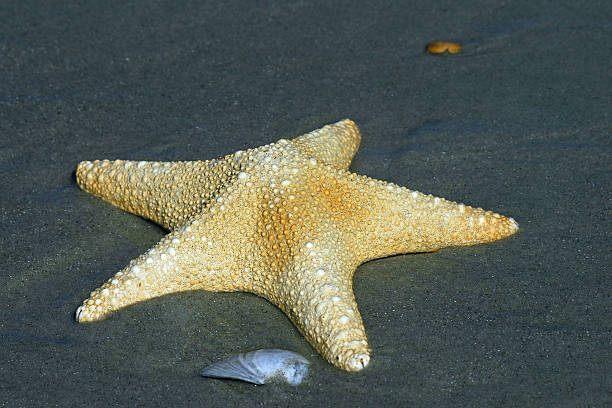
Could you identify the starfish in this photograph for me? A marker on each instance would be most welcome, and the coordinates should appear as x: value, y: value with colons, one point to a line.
x: 286, y: 221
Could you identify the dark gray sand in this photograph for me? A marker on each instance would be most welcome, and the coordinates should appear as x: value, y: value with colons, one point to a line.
x: 518, y: 122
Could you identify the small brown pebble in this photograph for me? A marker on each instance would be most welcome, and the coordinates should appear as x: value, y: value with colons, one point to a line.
x: 438, y: 47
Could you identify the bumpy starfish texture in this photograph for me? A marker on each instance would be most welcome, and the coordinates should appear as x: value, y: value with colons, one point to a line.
x: 286, y: 221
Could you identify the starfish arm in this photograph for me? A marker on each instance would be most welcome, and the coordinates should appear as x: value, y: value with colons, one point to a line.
x: 195, y: 256
x: 317, y: 295
x: 334, y: 144
x: 398, y: 220
x: 168, y: 193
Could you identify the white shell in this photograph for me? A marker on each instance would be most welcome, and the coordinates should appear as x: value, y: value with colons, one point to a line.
x: 260, y: 366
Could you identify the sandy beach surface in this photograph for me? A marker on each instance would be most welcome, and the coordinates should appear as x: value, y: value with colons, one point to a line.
x: 518, y: 122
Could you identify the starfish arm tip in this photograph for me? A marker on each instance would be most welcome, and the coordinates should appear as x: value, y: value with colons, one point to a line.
x: 81, y: 315
x: 334, y: 144
x: 357, y: 362
x: 514, y: 224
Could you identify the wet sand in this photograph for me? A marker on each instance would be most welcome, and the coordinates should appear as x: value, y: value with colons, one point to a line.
x: 518, y: 122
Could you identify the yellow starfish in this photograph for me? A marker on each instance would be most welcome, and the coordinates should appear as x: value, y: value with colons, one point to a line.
x: 285, y: 221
